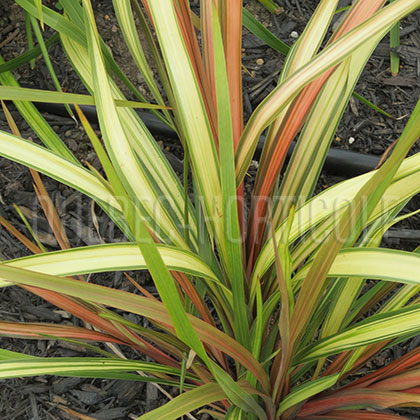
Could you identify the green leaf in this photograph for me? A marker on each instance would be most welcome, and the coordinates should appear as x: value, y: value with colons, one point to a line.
x: 259, y: 30
x: 15, y: 93
x: 54, y: 20
x: 186, y: 402
x: 43, y: 130
x: 13, y: 355
x: 39, y: 7
x: 29, y: 36
x: 44, y: 50
x: 394, y: 41
x: 371, y: 105
x: 305, y: 391
x: 271, y: 6
x: 27, y: 56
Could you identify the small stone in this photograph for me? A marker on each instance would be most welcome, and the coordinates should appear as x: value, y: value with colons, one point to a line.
x: 259, y: 61
x: 67, y: 133
x: 114, y: 28
x: 72, y: 143
x: 63, y: 314
x: 294, y: 35
x: 57, y: 399
x: 106, y: 17
x: 351, y: 140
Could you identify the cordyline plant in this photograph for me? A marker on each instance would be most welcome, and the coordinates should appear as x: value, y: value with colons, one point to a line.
x: 266, y: 312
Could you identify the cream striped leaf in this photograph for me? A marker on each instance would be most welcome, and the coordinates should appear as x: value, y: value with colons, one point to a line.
x: 283, y: 94
x: 404, y: 322
x: 159, y: 177
x: 119, y: 147
x: 74, y: 366
x: 195, y: 126
x: 128, y: 27
x: 110, y: 257
x: 332, y: 201
x: 47, y: 162
x: 374, y: 263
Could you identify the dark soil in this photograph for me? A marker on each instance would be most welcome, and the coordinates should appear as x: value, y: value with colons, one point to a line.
x: 362, y: 129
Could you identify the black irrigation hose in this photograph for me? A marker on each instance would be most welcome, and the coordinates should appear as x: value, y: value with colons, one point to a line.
x: 338, y: 161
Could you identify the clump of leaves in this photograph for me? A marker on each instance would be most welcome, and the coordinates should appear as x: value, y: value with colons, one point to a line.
x: 261, y: 312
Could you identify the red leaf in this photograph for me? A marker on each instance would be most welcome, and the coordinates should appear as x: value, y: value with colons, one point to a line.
x: 361, y: 398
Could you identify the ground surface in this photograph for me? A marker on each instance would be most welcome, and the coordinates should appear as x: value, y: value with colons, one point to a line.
x: 362, y: 129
